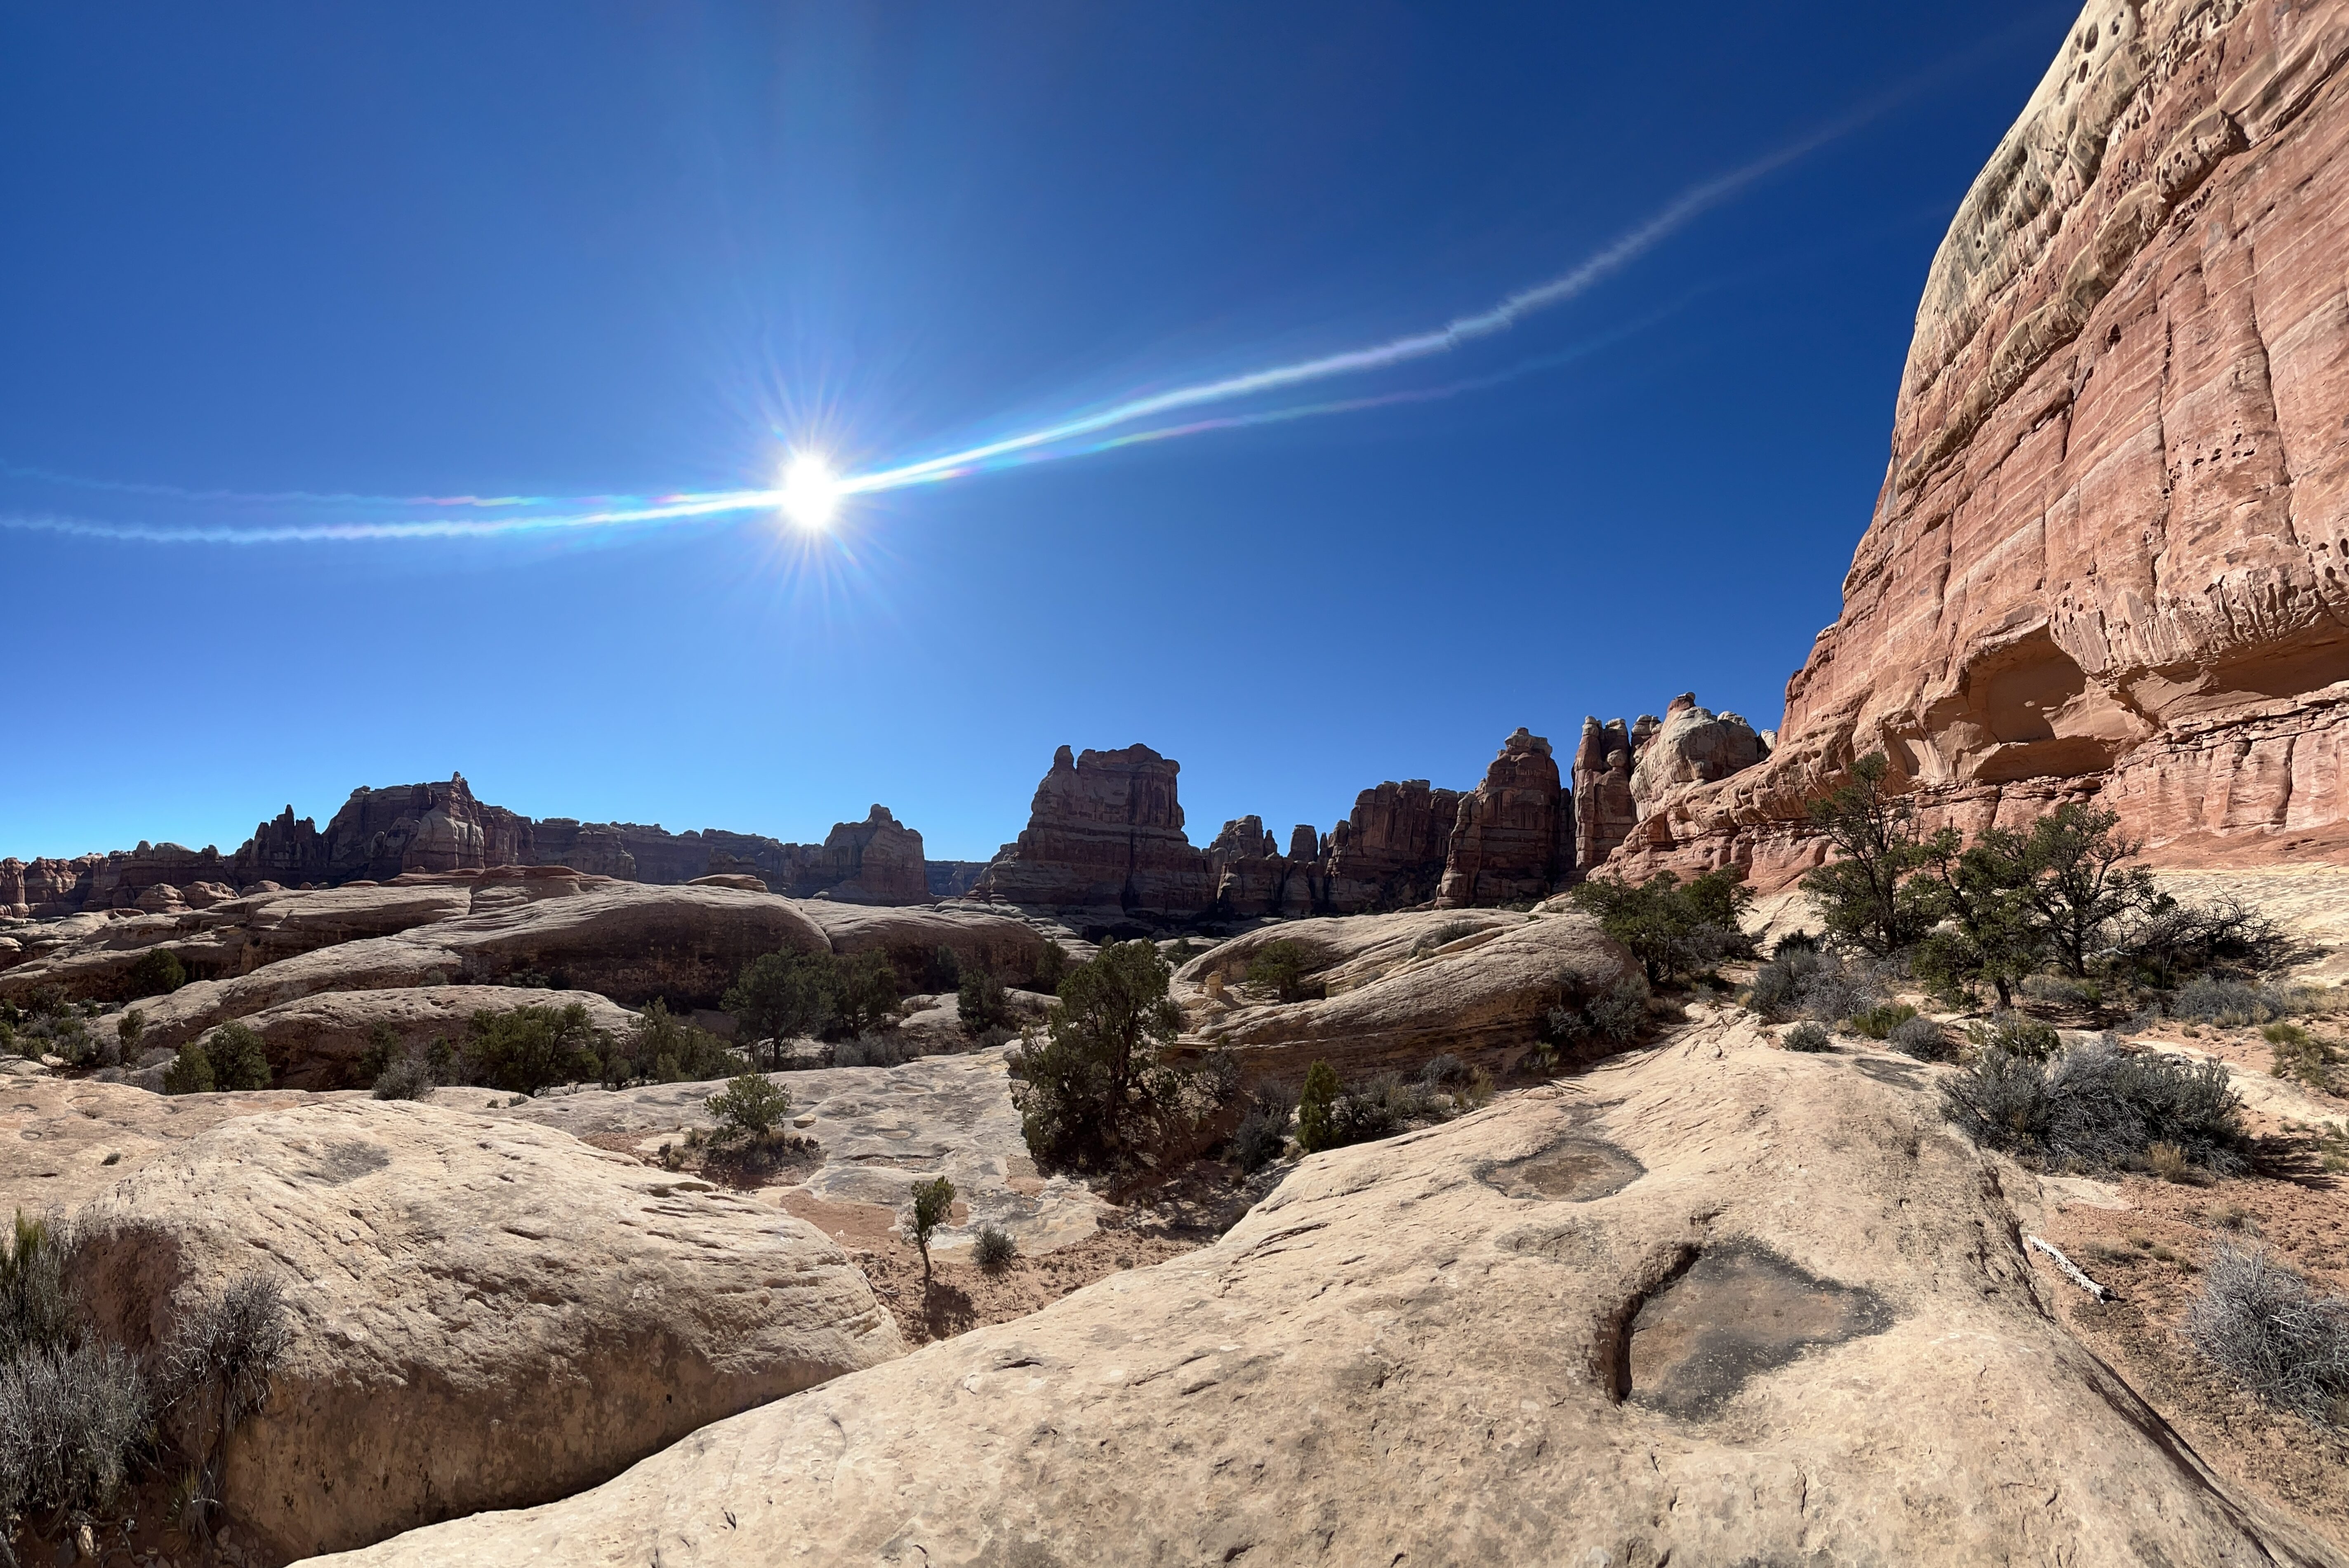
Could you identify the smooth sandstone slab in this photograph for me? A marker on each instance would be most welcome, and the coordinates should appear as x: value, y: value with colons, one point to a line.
x: 1391, y: 1359
x: 878, y: 1130
x: 487, y: 1314
x: 1395, y: 997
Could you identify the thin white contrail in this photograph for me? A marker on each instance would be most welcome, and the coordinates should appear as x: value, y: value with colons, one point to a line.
x: 1681, y: 210
x: 1501, y: 317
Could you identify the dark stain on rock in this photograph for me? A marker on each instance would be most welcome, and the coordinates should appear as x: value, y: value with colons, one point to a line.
x: 342, y: 1160
x: 1738, y: 1310
x: 1577, y: 1167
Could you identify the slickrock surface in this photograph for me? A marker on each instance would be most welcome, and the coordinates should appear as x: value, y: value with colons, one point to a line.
x: 1105, y: 832
x: 1394, y: 996
x: 1513, y: 841
x: 1714, y: 1303
x: 2113, y: 543
x: 877, y: 1130
x: 627, y: 941
x: 912, y: 937
x: 486, y: 1314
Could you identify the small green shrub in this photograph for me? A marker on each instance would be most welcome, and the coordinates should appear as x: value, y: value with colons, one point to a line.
x: 1807, y: 1037
x: 129, y: 1030
x: 35, y: 1314
x: 1670, y: 928
x: 866, y: 990
x: 2017, y: 1034
x: 1052, y: 968
x: 1282, y: 967
x: 406, y: 1078
x: 525, y: 1050
x: 2208, y: 999
x: 2258, y: 1320
x: 980, y: 1000
x: 157, y: 973
x: 942, y: 972
x: 2097, y: 1107
x: 1263, y: 1134
x: 750, y: 1107
x: 229, y: 1058
x: 874, y: 1051
x: 1588, y: 1013
x: 1313, y: 1109
x: 660, y: 1047
x: 1920, y: 1037
x: 1095, y: 1090
x: 1879, y: 1022
x: 933, y: 1202
x: 995, y: 1250
x: 2300, y: 1054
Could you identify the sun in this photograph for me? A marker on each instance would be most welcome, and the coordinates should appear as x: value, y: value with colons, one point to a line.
x: 811, y: 494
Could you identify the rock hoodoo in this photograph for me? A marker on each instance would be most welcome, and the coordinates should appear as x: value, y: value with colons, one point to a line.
x: 1513, y: 839
x: 2111, y: 554
x: 1603, y: 814
x: 1692, y: 746
x: 1105, y: 832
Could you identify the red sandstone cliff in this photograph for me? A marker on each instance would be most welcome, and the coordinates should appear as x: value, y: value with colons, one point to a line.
x: 2111, y: 554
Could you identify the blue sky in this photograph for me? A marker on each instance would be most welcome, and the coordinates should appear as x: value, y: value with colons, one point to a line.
x: 579, y: 251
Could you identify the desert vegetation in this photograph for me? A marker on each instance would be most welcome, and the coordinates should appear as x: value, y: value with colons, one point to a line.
x: 83, y: 1422
x: 1676, y: 930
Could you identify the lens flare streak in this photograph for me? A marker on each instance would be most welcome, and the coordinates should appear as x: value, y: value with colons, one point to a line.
x: 810, y: 491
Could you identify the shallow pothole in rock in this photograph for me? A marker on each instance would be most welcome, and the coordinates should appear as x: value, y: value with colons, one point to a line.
x: 1577, y: 1169
x: 1738, y: 1311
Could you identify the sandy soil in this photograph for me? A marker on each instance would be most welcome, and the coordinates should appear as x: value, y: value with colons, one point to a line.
x: 2151, y: 1255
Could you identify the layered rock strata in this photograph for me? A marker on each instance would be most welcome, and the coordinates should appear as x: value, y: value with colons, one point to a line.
x: 1389, y: 853
x: 1514, y: 839
x: 1105, y: 830
x: 1603, y: 813
x: 2111, y: 554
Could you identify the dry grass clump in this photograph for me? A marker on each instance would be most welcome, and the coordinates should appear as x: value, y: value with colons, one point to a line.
x: 2098, y: 1107
x: 2260, y: 1321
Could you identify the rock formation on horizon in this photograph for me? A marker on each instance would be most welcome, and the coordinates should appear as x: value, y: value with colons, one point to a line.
x: 382, y: 833
x: 1105, y: 830
x: 2110, y: 557
x: 1514, y: 839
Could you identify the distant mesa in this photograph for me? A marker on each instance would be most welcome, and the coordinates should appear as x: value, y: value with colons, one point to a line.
x: 379, y: 834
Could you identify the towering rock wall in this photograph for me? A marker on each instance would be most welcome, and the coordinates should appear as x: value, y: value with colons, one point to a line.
x: 2111, y: 554
x: 876, y: 861
x: 1105, y: 830
x: 1603, y: 813
x: 1390, y: 852
x: 1514, y: 838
